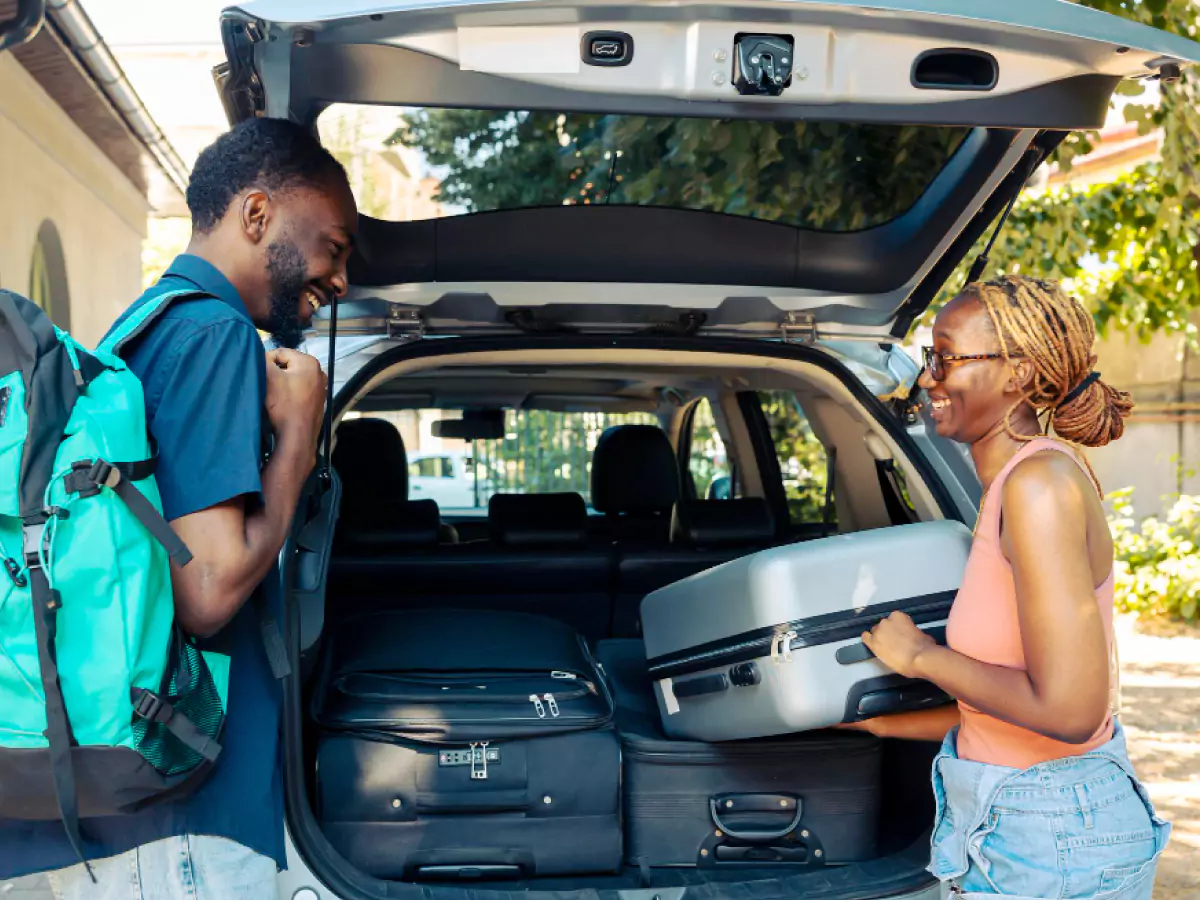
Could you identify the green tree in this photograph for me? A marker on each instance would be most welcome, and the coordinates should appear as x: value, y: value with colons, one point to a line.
x: 1142, y: 229
x: 825, y: 175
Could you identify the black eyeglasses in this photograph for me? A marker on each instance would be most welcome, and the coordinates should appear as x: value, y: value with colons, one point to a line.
x: 935, y: 363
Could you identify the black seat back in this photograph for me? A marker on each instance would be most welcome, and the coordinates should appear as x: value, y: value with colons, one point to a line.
x: 376, y: 514
x: 635, y: 483
x: 538, y: 559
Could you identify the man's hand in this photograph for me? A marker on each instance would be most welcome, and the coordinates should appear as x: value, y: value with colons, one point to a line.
x: 296, y: 397
x: 897, y: 643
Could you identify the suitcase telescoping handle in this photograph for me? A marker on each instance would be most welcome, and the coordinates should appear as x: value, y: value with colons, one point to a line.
x: 755, y: 803
x: 856, y: 653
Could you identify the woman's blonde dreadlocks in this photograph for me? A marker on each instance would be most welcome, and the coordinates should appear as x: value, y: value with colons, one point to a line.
x: 1039, y: 321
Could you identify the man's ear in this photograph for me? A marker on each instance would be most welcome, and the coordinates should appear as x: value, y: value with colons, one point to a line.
x: 256, y: 214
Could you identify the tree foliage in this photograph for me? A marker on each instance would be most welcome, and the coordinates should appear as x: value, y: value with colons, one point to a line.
x: 826, y: 175
x: 1157, y: 560
x: 1130, y: 248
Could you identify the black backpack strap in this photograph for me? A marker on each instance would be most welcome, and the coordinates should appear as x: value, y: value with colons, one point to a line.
x: 46, y: 603
x: 87, y: 477
x: 153, y: 708
x: 268, y: 626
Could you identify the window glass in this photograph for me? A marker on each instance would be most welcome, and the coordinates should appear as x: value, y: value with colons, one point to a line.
x: 431, y: 467
x: 708, y: 462
x: 541, y: 452
x: 418, y: 163
x: 803, y: 461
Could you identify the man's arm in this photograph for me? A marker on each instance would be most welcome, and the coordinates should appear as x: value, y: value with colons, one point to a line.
x: 234, y: 545
x: 233, y: 550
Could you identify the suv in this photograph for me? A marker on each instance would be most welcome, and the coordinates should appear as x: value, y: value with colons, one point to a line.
x: 722, y: 219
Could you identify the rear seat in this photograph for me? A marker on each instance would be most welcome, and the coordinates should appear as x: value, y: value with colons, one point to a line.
x: 539, y: 557
x: 538, y: 560
x: 635, y: 483
x: 657, y: 537
x: 376, y: 514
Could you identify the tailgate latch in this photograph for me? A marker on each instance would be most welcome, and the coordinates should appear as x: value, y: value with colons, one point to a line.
x: 799, y: 327
x: 762, y: 64
x: 405, y: 323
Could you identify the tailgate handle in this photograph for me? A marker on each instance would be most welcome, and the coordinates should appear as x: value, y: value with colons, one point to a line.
x: 755, y: 803
x: 955, y: 69
x: 856, y: 653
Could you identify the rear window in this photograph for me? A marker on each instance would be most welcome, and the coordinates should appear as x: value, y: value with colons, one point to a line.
x: 803, y: 460
x: 542, y: 452
x: 417, y: 163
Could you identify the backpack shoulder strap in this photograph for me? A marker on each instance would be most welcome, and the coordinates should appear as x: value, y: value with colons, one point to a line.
x: 143, y: 317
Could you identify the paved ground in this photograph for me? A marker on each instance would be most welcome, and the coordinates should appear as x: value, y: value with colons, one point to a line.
x: 1161, y: 699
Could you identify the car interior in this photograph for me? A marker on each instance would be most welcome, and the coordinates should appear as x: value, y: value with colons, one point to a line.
x: 681, y: 461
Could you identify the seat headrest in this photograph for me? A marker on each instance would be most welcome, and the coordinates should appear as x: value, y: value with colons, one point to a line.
x: 723, y: 523
x: 370, y: 459
x: 537, y: 520
x: 386, y: 526
x: 634, y: 470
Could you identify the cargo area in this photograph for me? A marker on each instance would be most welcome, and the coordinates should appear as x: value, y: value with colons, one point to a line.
x: 685, y: 467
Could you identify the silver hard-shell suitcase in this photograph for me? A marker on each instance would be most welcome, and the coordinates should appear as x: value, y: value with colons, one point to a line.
x: 771, y: 643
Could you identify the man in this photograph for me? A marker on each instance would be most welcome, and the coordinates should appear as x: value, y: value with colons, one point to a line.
x: 273, y: 220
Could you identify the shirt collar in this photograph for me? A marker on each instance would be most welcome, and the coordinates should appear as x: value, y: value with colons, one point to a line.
x: 208, y: 278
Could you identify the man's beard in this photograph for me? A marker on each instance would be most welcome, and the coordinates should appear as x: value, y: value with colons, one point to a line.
x: 288, y: 276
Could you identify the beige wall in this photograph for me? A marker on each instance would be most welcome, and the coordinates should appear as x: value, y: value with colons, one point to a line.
x: 1161, y: 445
x: 50, y: 170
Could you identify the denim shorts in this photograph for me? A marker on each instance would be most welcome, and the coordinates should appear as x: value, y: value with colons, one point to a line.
x: 1082, y: 827
x: 188, y: 867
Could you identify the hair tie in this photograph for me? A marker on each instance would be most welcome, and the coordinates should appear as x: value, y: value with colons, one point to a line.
x: 1091, y: 379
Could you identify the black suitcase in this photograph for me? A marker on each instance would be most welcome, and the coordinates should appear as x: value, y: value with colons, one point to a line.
x: 466, y: 744
x: 810, y: 799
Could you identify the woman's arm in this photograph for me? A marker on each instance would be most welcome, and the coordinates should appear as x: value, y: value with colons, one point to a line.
x: 918, y: 725
x: 1064, y: 692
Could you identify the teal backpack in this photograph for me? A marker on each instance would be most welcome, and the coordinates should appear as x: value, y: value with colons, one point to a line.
x: 105, y: 705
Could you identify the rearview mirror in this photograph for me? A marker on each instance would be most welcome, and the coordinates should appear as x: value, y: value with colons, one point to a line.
x: 475, y: 425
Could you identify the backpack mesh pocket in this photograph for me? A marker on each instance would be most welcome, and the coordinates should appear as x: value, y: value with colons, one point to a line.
x: 190, y: 689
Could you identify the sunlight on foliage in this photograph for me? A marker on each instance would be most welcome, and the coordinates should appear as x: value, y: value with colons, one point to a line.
x: 1157, y: 560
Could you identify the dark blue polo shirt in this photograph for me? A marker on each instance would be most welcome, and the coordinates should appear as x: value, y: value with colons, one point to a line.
x: 203, y: 368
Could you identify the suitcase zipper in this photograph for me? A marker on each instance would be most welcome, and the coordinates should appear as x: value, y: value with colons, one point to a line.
x: 779, y: 642
x: 553, y: 704
x: 537, y: 705
x: 469, y: 691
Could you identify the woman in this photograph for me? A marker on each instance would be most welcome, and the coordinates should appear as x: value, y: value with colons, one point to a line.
x: 1036, y: 797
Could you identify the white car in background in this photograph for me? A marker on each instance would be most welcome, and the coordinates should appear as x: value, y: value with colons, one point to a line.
x: 447, y: 477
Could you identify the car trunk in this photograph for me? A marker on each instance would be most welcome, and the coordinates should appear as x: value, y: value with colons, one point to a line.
x: 960, y: 103
x: 448, y: 577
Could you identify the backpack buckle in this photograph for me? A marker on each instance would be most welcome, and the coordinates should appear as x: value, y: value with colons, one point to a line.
x: 104, y: 473
x: 148, y: 705
x: 87, y: 477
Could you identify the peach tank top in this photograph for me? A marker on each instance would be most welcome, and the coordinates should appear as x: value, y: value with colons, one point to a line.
x: 983, y: 624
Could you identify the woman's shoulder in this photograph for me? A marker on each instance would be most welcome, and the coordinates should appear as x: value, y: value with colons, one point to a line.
x: 1049, y: 481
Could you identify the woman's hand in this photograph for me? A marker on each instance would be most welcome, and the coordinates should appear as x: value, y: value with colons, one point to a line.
x: 898, y: 643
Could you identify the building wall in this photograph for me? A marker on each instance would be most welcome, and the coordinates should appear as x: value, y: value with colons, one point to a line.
x: 1159, y: 455
x: 49, y: 170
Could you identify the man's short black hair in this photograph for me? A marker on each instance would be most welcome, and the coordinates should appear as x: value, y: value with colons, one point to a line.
x: 273, y: 153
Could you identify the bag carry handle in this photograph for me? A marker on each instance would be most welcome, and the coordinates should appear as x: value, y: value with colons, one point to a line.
x: 856, y: 653
x: 756, y: 803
